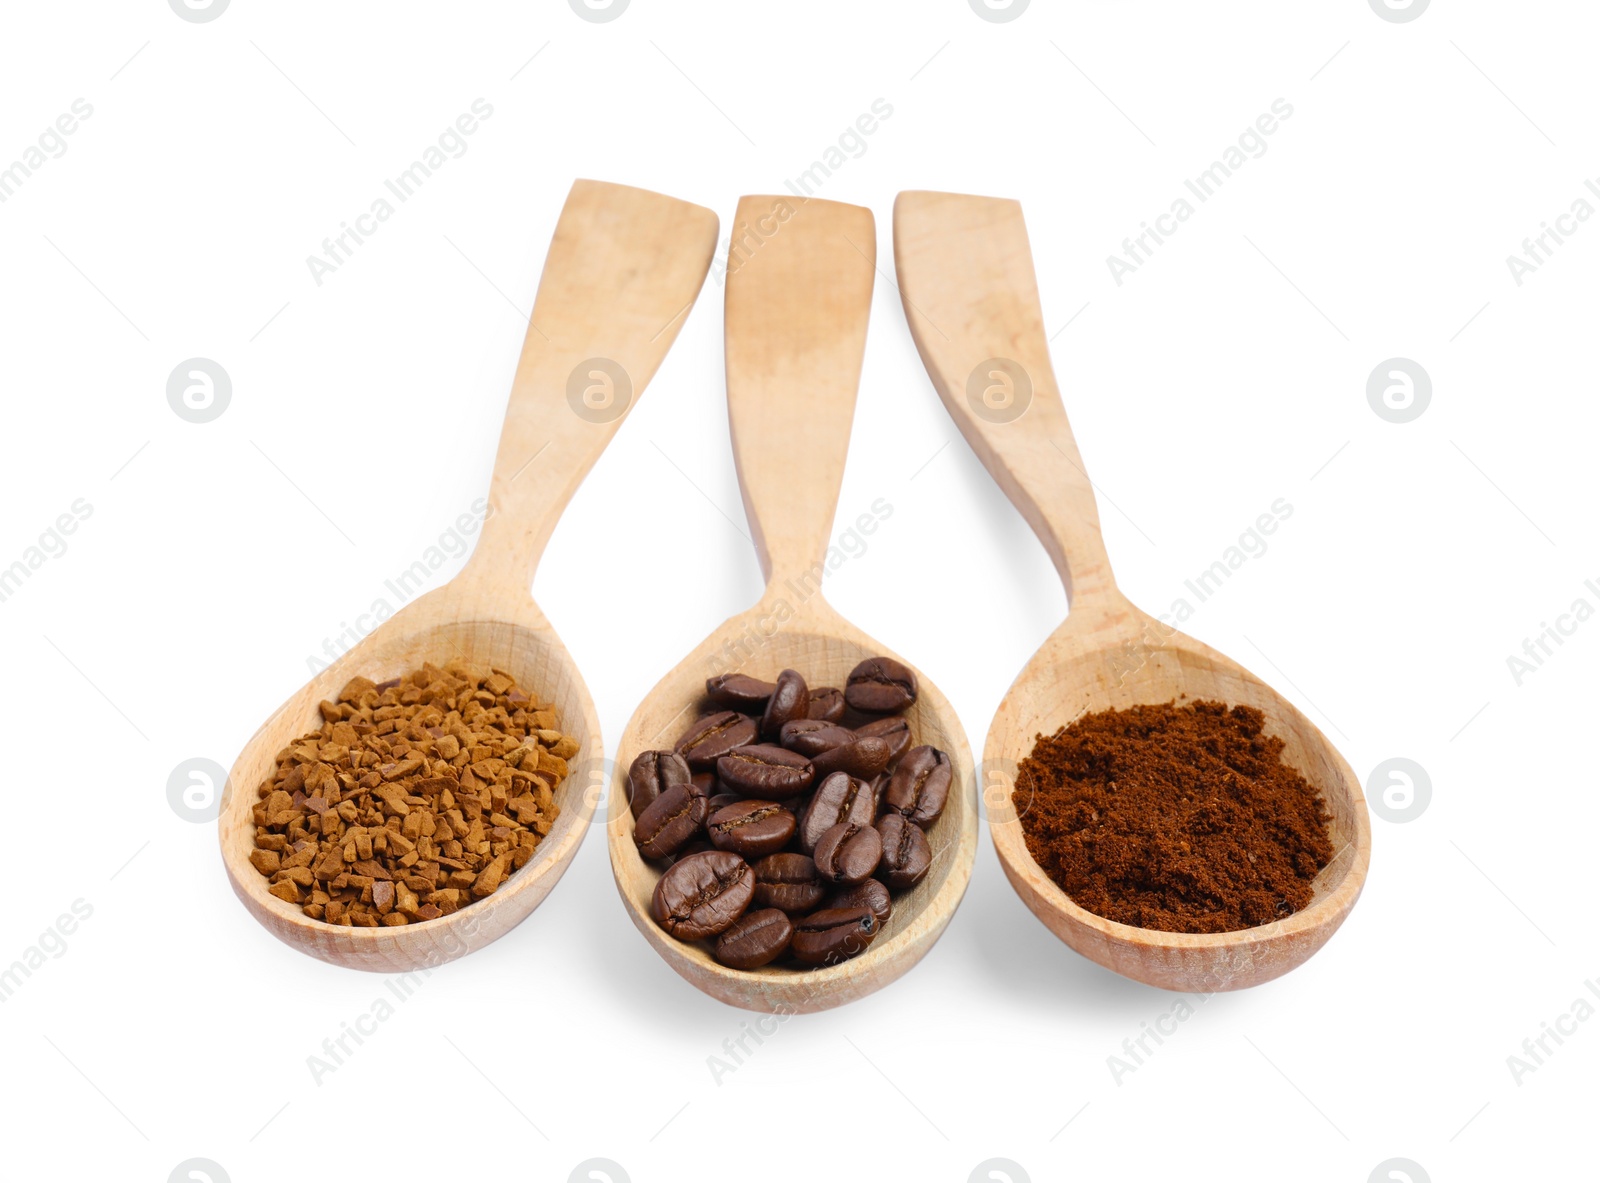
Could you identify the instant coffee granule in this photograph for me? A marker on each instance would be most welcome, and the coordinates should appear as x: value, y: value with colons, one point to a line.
x: 1182, y: 818
x: 418, y: 796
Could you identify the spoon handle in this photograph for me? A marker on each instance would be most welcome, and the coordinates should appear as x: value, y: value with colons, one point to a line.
x: 799, y: 291
x: 623, y: 270
x: 972, y: 301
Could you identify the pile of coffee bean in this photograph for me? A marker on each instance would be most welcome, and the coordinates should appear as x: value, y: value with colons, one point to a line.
x: 782, y: 830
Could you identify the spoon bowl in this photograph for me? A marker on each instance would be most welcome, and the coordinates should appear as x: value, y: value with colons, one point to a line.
x: 972, y: 301
x: 623, y: 268
x: 1080, y: 670
x: 825, y: 648
x: 441, y: 627
x: 796, y: 316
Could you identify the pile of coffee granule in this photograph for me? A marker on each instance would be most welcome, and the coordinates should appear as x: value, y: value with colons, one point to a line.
x: 416, y: 797
x: 1177, y: 818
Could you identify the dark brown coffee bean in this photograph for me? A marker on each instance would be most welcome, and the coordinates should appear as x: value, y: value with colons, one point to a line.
x: 766, y: 771
x: 848, y: 853
x: 670, y: 821
x: 752, y: 828
x: 723, y: 800
x: 839, y: 798
x: 812, y: 737
x: 880, y: 686
x: 790, y: 700
x: 833, y: 935
x: 755, y: 939
x: 789, y: 882
x: 894, y: 730
x: 864, y: 756
x: 650, y: 773
x: 906, y: 853
x: 920, y: 785
x: 827, y: 704
x: 870, y: 894
x: 703, y: 895
x: 739, y: 692
x: 713, y: 736
x: 706, y: 782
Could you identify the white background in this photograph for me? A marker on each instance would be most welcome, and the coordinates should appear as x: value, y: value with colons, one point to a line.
x: 1229, y: 371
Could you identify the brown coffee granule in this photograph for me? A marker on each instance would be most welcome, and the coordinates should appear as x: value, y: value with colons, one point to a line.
x: 1177, y: 818
x: 418, y: 796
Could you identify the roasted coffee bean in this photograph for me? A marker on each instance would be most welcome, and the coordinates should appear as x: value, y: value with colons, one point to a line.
x: 650, y: 773
x: 753, y: 828
x: 920, y: 785
x: 703, y: 895
x: 833, y: 935
x: 827, y: 704
x: 670, y: 821
x: 790, y: 700
x: 739, y: 692
x: 864, y: 756
x: 766, y: 771
x: 839, y: 798
x: 870, y: 894
x: 895, y: 730
x: 906, y: 853
x: 773, y: 770
x: 812, y: 737
x: 755, y: 939
x: 880, y: 686
x: 713, y: 736
x: 848, y: 853
x: 790, y: 882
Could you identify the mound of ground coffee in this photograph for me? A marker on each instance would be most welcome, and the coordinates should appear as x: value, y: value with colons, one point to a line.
x: 1182, y: 818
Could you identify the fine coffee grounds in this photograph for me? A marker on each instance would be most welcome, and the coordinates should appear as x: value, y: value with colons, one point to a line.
x: 1181, y: 818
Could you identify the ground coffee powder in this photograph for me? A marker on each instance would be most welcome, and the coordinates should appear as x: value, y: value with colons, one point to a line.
x: 1182, y: 818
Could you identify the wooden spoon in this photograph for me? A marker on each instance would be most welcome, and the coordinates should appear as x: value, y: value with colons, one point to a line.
x: 967, y: 283
x: 796, y: 326
x: 624, y: 267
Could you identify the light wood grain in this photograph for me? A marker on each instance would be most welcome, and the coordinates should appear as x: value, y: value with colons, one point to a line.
x: 623, y: 268
x: 970, y: 295
x: 796, y: 320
